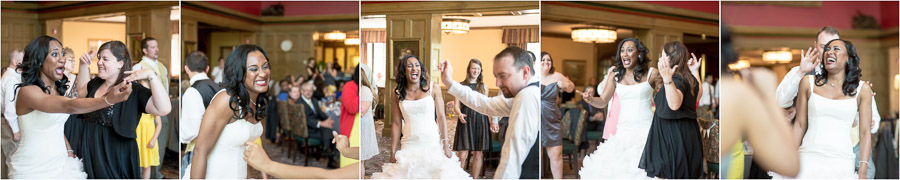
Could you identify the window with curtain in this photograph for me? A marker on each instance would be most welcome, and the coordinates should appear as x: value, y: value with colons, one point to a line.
x: 521, y: 36
x: 374, y: 52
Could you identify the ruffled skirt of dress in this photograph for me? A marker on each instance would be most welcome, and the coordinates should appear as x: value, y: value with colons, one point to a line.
x: 617, y: 158
x: 422, y: 163
x: 65, y: 168
x: 814, y: 166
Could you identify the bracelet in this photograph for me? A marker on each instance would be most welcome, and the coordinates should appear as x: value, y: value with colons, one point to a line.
x: 670, y: 82
x: 860, y: 162
x: 107, y: 101
x: 70, y: 150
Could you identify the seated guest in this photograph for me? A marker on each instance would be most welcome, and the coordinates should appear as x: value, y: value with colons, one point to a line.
x: 294, y: 95
x: 284, y: 86
x: 319, y: 124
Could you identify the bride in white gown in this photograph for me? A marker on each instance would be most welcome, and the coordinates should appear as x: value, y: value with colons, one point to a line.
x: 826, y: 111
x: 43, y: 151
x: 619, y: 156
x: 424, y: 148
x: 232, y: 117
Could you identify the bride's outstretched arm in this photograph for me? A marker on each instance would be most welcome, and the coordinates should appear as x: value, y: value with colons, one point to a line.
x: 33, y: 98
x: 608, y: 91
x: 865, y: 118
x: 214, y: 120
x: 397, y: 126
x: 441, y: 117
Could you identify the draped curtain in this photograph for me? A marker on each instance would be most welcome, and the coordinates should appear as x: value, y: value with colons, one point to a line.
x: 520, y: 36
x: 370, y: 36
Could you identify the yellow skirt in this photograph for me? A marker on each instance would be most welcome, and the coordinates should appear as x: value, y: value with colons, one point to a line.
x: 354, y: 142
x: 258, y: 141
x: 146, y: 128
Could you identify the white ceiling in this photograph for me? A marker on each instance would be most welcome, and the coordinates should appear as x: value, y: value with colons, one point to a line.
x: 120, y: 16
x: 379, y: 23
x: 496, y: 21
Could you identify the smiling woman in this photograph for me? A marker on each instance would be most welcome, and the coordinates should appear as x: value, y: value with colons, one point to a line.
x: 233, y: 117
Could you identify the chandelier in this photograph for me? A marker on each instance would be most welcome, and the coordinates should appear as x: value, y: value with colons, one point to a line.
x: 779, y: 56
x: 594, y: 34
x: 351, y: 41
x: 335, y: 36
x: 454, y: 26
x: 741, y: 64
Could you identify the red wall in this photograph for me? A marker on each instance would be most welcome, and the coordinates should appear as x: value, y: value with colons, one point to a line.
x: 836, y: 14
x: 294, y: 8
x: 703, y: 6
x: 890, y: 14
x: 249, y: 7
x: 305, y: 8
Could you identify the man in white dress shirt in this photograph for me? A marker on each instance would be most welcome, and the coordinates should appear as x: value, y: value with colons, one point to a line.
x: 10, y: 122
x: 219, y: 71
x: 707, y: 103
x: 809, y: 62
x: 513, y: 68
x: 194, y: 102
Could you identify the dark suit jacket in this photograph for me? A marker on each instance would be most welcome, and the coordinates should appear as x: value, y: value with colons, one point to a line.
x: 314, y: 114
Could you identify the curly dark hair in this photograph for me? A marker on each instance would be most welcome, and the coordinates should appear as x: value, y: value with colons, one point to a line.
x: 642, y: 62
x: 35, y: 54
x: 235, y: 70
x: 853, y: 72
x: 401, y: 77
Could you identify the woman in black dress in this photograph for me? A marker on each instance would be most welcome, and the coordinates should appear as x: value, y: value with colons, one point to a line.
x: 673, y: 148
x: 107, y: 145
x: 473, y: 128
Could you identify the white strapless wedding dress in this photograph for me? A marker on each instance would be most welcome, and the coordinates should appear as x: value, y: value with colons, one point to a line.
x: 826, y: 151
x: 42, y: 150
x: 618, y: 157
x: 421, y: 155
x: 226, y: 160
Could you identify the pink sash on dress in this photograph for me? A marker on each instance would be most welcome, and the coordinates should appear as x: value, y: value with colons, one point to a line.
x: 612, y: 118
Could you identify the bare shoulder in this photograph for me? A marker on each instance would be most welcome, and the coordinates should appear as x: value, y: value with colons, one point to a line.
x: 28, y: 91
x: 436, y: 89
x: 865, y: 91
x: 221, y: 102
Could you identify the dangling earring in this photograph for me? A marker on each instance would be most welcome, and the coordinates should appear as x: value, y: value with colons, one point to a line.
x: 819, y: 69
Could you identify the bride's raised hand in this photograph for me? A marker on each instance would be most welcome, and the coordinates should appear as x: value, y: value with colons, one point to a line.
x: 118, y: 93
